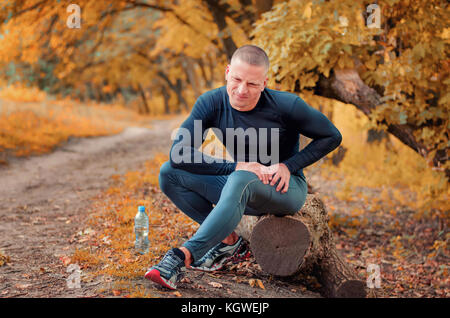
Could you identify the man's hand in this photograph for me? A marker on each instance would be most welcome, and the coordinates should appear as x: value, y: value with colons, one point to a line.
x: 260, y: 170
x: 270, y: 174
x: 283, y: 174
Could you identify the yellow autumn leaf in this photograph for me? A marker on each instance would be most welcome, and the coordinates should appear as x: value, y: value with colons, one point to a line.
x: 446, y: 34
x: 308, y: 11
x: 260, y: 284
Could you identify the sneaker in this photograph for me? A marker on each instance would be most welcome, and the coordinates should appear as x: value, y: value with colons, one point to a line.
x: 169, y: 271
x: 216, y: 257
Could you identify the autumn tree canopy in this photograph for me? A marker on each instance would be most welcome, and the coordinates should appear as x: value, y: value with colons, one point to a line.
x: 388, y: 58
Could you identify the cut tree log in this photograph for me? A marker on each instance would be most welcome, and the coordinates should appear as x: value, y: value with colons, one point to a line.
x: 301, y: 245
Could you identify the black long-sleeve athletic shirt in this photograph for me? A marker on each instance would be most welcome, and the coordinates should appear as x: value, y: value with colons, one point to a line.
x: 275, y: 110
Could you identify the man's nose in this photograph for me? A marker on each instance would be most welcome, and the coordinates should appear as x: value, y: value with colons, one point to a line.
x: 242, y: 88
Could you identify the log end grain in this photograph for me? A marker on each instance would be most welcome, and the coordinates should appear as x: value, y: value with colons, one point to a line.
x: 279, y: 244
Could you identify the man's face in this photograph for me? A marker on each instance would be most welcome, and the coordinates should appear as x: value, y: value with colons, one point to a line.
x: 245, y: 83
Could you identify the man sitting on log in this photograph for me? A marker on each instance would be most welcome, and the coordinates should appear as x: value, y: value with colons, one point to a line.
x: 261, y: 127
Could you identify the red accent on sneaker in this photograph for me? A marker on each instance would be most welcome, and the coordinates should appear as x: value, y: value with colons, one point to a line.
x: 241, y: 258
x: 155, y: 276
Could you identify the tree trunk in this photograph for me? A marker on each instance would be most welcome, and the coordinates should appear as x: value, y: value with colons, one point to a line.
x: 219, y: 12
x: 207, y: 82
x: 179, y: 92
x: 338, y: 156
x: 177, y: 88
x: 263, y: 6
x: 191, y: 75
x: 301, y: 245
x: 144, y: 100
x: 166, y: 97
x: 376, y: 136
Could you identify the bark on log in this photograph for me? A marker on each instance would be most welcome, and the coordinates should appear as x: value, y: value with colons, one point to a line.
x: 301, y: 244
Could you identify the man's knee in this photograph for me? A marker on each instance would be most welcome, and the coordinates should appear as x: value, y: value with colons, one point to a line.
x: 241, y: 178
x: 164, y: 177
x: 293, y: 205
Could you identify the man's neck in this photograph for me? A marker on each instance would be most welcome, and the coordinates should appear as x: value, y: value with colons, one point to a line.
x: 244, y: 108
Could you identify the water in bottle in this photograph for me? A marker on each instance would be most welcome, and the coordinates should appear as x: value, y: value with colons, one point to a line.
x: 141, y: 231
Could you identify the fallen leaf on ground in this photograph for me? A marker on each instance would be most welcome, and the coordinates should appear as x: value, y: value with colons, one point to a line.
x: 215, y: 285
x: 260, y: 284
x: 198, y: 286
x: 22, y: 286
x: 65, y: 260
x: 4, y: 259
x: 186, y: 280
x: 256, y: 282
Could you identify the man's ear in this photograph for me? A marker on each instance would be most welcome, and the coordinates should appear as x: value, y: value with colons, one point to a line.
x: 265, y: 83
x: 227, y: 70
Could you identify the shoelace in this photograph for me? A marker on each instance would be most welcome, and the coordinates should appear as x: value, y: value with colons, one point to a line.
x: 170, y: 261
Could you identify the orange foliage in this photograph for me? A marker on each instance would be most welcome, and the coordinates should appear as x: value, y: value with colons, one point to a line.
x: 26, y: 133
x: 20, y: 93
x: 32, y: 124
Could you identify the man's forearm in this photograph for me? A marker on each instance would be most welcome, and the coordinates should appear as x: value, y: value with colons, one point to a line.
x: 195, y: 161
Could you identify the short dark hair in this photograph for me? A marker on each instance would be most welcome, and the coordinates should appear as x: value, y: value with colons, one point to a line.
x: 251, y: 54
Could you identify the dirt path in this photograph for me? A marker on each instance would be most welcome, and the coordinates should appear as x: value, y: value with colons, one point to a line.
x: 44, y: 200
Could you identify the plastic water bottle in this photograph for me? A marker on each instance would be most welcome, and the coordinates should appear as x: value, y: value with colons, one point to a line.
x: 141, y: 231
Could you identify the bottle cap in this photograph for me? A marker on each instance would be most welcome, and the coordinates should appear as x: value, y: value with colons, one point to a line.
x: 141, y: 208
